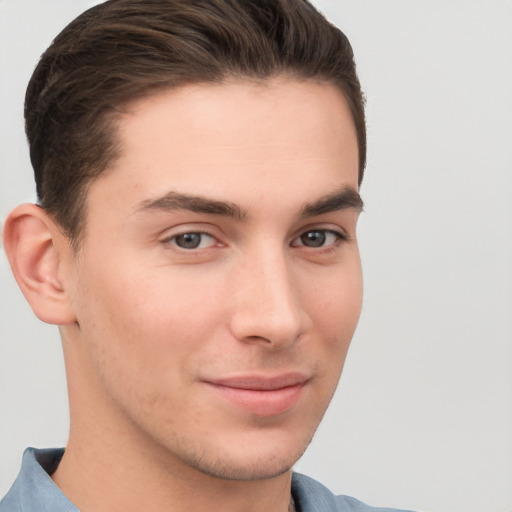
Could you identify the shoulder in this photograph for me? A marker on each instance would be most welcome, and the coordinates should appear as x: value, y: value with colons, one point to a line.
x: 312, y: 496
x: 33, y: 489
x: 10, y: 502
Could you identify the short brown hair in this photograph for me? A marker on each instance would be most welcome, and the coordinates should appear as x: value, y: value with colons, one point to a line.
x: 122, y: 50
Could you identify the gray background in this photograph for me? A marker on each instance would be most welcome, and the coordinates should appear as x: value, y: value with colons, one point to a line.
x: 423, y: 414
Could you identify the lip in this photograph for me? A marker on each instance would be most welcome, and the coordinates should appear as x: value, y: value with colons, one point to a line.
x: 261, y: 395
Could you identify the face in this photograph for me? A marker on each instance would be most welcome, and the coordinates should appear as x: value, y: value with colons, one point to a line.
x: 218, y: 285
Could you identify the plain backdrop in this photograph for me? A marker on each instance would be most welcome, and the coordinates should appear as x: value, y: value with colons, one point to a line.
x: 423, y: 415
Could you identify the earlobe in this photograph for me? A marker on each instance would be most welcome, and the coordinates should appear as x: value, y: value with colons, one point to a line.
x: 35, y: 258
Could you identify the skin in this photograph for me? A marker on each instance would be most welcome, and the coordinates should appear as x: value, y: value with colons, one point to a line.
x: 155, y: 331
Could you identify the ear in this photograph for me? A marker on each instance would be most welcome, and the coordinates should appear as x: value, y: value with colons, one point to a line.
x: 34, y: 246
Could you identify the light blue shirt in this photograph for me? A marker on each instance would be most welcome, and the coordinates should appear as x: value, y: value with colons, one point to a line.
x: 34, y: 490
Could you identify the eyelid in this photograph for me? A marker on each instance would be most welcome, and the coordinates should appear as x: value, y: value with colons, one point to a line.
x: 324, y: 226
x: 174, y: 241
x: 188, y: 227
x: 169, y: 235
x: 340, y: 234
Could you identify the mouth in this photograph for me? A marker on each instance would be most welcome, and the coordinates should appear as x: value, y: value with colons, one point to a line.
x: 261, y: 395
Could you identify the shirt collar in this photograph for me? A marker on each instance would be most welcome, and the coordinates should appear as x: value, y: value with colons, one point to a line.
x: 34, y: 490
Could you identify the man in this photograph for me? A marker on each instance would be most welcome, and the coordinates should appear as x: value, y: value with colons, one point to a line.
x: 197, y: 165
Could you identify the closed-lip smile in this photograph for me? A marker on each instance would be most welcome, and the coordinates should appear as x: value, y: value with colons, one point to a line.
x: 261, y: 395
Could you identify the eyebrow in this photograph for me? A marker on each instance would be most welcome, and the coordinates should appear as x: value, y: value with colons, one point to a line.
x: 198, y: 204
x: 342, y: 199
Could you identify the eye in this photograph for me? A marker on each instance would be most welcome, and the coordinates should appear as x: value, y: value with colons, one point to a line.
x: 192, y: 240
x: 318, y: 238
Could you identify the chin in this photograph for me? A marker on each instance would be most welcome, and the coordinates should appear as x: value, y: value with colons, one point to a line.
x: 248, y: 471
x: 254, y: 462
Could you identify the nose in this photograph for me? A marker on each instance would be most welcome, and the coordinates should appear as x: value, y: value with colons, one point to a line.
x: 267, y: 305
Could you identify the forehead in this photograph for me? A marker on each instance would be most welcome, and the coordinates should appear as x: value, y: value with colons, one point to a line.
x: 235, y: 112
x: 238, y: 136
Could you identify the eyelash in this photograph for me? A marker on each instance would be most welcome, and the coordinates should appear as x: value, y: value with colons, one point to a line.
x: 173, y: 240
x: 338, y: 235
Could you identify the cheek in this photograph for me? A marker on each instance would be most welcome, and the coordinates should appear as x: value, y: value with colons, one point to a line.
x: 138, y: 334
x: 335, y: 307
x: 146, y: 318
x: 335, y: 303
